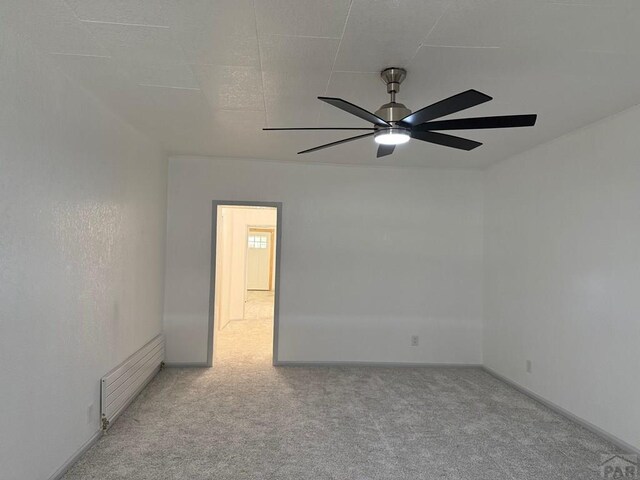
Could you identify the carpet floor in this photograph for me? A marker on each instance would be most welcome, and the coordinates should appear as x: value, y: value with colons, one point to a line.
x: 244, y: 419
x: 259, y: 305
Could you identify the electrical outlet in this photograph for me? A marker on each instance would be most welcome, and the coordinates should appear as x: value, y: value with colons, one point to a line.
x: 90, y: 413
x: 528, y: 366
x: 415, y: 340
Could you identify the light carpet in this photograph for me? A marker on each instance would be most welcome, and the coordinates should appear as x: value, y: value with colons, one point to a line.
x: 244, y: 419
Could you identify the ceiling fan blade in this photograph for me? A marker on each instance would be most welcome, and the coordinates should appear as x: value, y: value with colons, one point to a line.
x: 355, y: 110
x: 327, y: 145
x: 506, y: 121
x: 384, y: 150
x: 445, y: 140
x: 322, y: 128
x: 454, y: 104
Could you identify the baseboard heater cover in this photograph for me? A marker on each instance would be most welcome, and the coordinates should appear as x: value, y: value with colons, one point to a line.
x: 121, y: 385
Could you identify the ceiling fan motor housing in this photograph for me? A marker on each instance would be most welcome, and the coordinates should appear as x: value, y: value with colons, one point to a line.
x: 393, y: 111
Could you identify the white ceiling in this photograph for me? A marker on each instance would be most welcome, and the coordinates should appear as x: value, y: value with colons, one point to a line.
x: 204, y: 76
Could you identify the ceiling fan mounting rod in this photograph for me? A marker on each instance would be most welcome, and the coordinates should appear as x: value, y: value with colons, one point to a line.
x: 393, y: 77
x: 392, y: 112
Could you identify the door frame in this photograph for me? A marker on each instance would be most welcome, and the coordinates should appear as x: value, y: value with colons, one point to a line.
x: 212, y: 281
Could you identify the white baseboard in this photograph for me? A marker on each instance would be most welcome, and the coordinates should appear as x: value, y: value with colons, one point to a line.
x: 58, y: 474
x: 287, y: 363
x: 621, y: 444
x: 186, y: 365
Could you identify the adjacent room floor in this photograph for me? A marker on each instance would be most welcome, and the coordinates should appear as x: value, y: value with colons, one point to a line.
x: 244, y: 419
x: 259, y: 305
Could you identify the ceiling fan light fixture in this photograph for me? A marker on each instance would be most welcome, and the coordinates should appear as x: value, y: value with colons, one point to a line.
x: 392, y: 136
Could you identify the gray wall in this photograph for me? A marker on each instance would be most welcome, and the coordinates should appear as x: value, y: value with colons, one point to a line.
x: 370, y: 256
x: 82, y: 209
x: 563, y: 272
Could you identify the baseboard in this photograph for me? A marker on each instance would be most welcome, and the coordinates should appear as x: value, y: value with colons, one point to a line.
x: 621, y: 444
x: 76, y: 456
x: 187, y: 365
x: 287, y: 363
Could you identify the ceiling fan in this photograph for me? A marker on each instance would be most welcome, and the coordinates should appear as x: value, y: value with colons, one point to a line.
x: 394, y: 124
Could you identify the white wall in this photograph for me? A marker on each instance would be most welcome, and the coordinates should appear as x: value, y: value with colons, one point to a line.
x: 232, y: 247
x: 82, y: 224
x: 563, y: 272
x: 370, y: 256
x: 224, y: 272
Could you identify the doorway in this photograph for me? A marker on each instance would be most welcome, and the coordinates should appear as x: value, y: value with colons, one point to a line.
x: 244, y: 293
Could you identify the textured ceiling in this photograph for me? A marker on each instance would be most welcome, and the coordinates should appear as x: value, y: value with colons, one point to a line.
x: 204, y: 76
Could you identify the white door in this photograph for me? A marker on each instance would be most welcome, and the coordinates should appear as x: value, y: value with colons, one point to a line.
x: 259, y: 261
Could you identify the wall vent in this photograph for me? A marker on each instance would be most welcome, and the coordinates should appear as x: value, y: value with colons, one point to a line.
x: 122, y: 384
